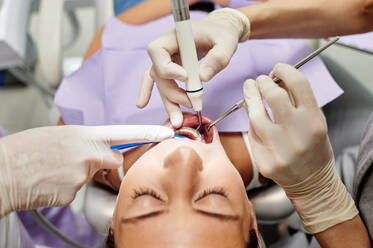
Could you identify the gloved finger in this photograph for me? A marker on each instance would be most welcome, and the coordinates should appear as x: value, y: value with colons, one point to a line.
x: 263, y: 163
x: 173, y: 92
x: 174, y: 112
x: 122, y: 134
x: 216, y: 60
x: 282, y: 85
x: 100, y: 157
x: 271, y: 75
x: 257, y: 113
x: 160, y: 52
x: 297, y: 84
x: 145, y: 90
x: 276, y: 97
x: 106, y: 159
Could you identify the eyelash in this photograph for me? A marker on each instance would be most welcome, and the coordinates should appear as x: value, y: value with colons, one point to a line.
x: 212, y: 191
x: 209, y: 191
x: 146, y: 191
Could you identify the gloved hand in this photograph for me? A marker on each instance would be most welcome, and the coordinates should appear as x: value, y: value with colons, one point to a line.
x: 294, y: 149
x: 46, y: 167
x: 209, y: 41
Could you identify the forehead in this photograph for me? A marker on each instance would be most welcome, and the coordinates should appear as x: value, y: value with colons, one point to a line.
x: 188, y: 230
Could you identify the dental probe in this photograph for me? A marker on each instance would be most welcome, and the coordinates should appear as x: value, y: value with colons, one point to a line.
x: 239, y: 105
x: 188, y: 54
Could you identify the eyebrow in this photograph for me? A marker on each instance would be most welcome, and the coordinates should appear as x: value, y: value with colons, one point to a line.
x: 223, y: 217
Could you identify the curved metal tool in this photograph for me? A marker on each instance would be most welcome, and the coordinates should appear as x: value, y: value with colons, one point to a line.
x: 199, y: 115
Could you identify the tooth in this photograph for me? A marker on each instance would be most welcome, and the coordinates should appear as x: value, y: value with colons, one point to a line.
x: 190, y: 131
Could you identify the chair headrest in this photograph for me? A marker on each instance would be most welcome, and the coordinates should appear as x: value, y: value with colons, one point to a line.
x: 98, y: 207
x: 271, y: 204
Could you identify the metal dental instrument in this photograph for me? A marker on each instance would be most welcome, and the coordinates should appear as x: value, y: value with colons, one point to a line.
x: 188, y: 54
x: 199, y: 115
x: 238, y: 105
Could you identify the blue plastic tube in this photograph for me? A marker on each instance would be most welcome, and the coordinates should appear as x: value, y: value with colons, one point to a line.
x: 130, y: 145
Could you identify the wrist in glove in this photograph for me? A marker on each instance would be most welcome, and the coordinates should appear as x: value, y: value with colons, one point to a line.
x: 5, y: 207
x: 236, y: 18
x: 321, y: 200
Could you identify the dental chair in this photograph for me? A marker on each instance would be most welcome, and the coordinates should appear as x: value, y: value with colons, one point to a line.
x: 53, y: 65
x: 18, y: 53
x: 347, y: 116
x: 14, y: 15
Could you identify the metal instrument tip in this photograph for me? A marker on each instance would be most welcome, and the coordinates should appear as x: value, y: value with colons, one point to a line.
x: 210, y: 126
x: 199, y: 114
x: 234, y: 108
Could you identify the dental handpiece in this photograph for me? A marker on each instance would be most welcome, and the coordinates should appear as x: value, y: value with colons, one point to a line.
x: 188, y: 53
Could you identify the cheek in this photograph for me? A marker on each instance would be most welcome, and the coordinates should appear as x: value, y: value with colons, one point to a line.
x: 218, y: 159
x: 145, y: 164
x: 221, y: 171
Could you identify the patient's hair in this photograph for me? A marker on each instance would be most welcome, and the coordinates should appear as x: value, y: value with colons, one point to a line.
x: 253, y: 242
x: 110, y: 239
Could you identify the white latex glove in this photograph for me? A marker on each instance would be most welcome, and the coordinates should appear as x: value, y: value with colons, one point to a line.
x: 216, y: 38
x: 45, y: 167
x: 294, y: 150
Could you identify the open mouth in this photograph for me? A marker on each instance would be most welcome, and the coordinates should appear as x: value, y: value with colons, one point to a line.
x: 189, y: 130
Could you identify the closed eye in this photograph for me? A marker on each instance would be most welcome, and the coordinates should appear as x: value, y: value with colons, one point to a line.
x: 146, y: 192
x: 220, y: 191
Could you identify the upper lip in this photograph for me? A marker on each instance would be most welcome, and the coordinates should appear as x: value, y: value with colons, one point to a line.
x: 191, y: 120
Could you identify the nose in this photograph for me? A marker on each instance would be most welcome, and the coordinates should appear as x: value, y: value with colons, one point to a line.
x: 183, y: 167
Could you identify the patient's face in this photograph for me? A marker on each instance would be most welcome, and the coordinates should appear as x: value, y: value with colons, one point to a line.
x: 183, y: 193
